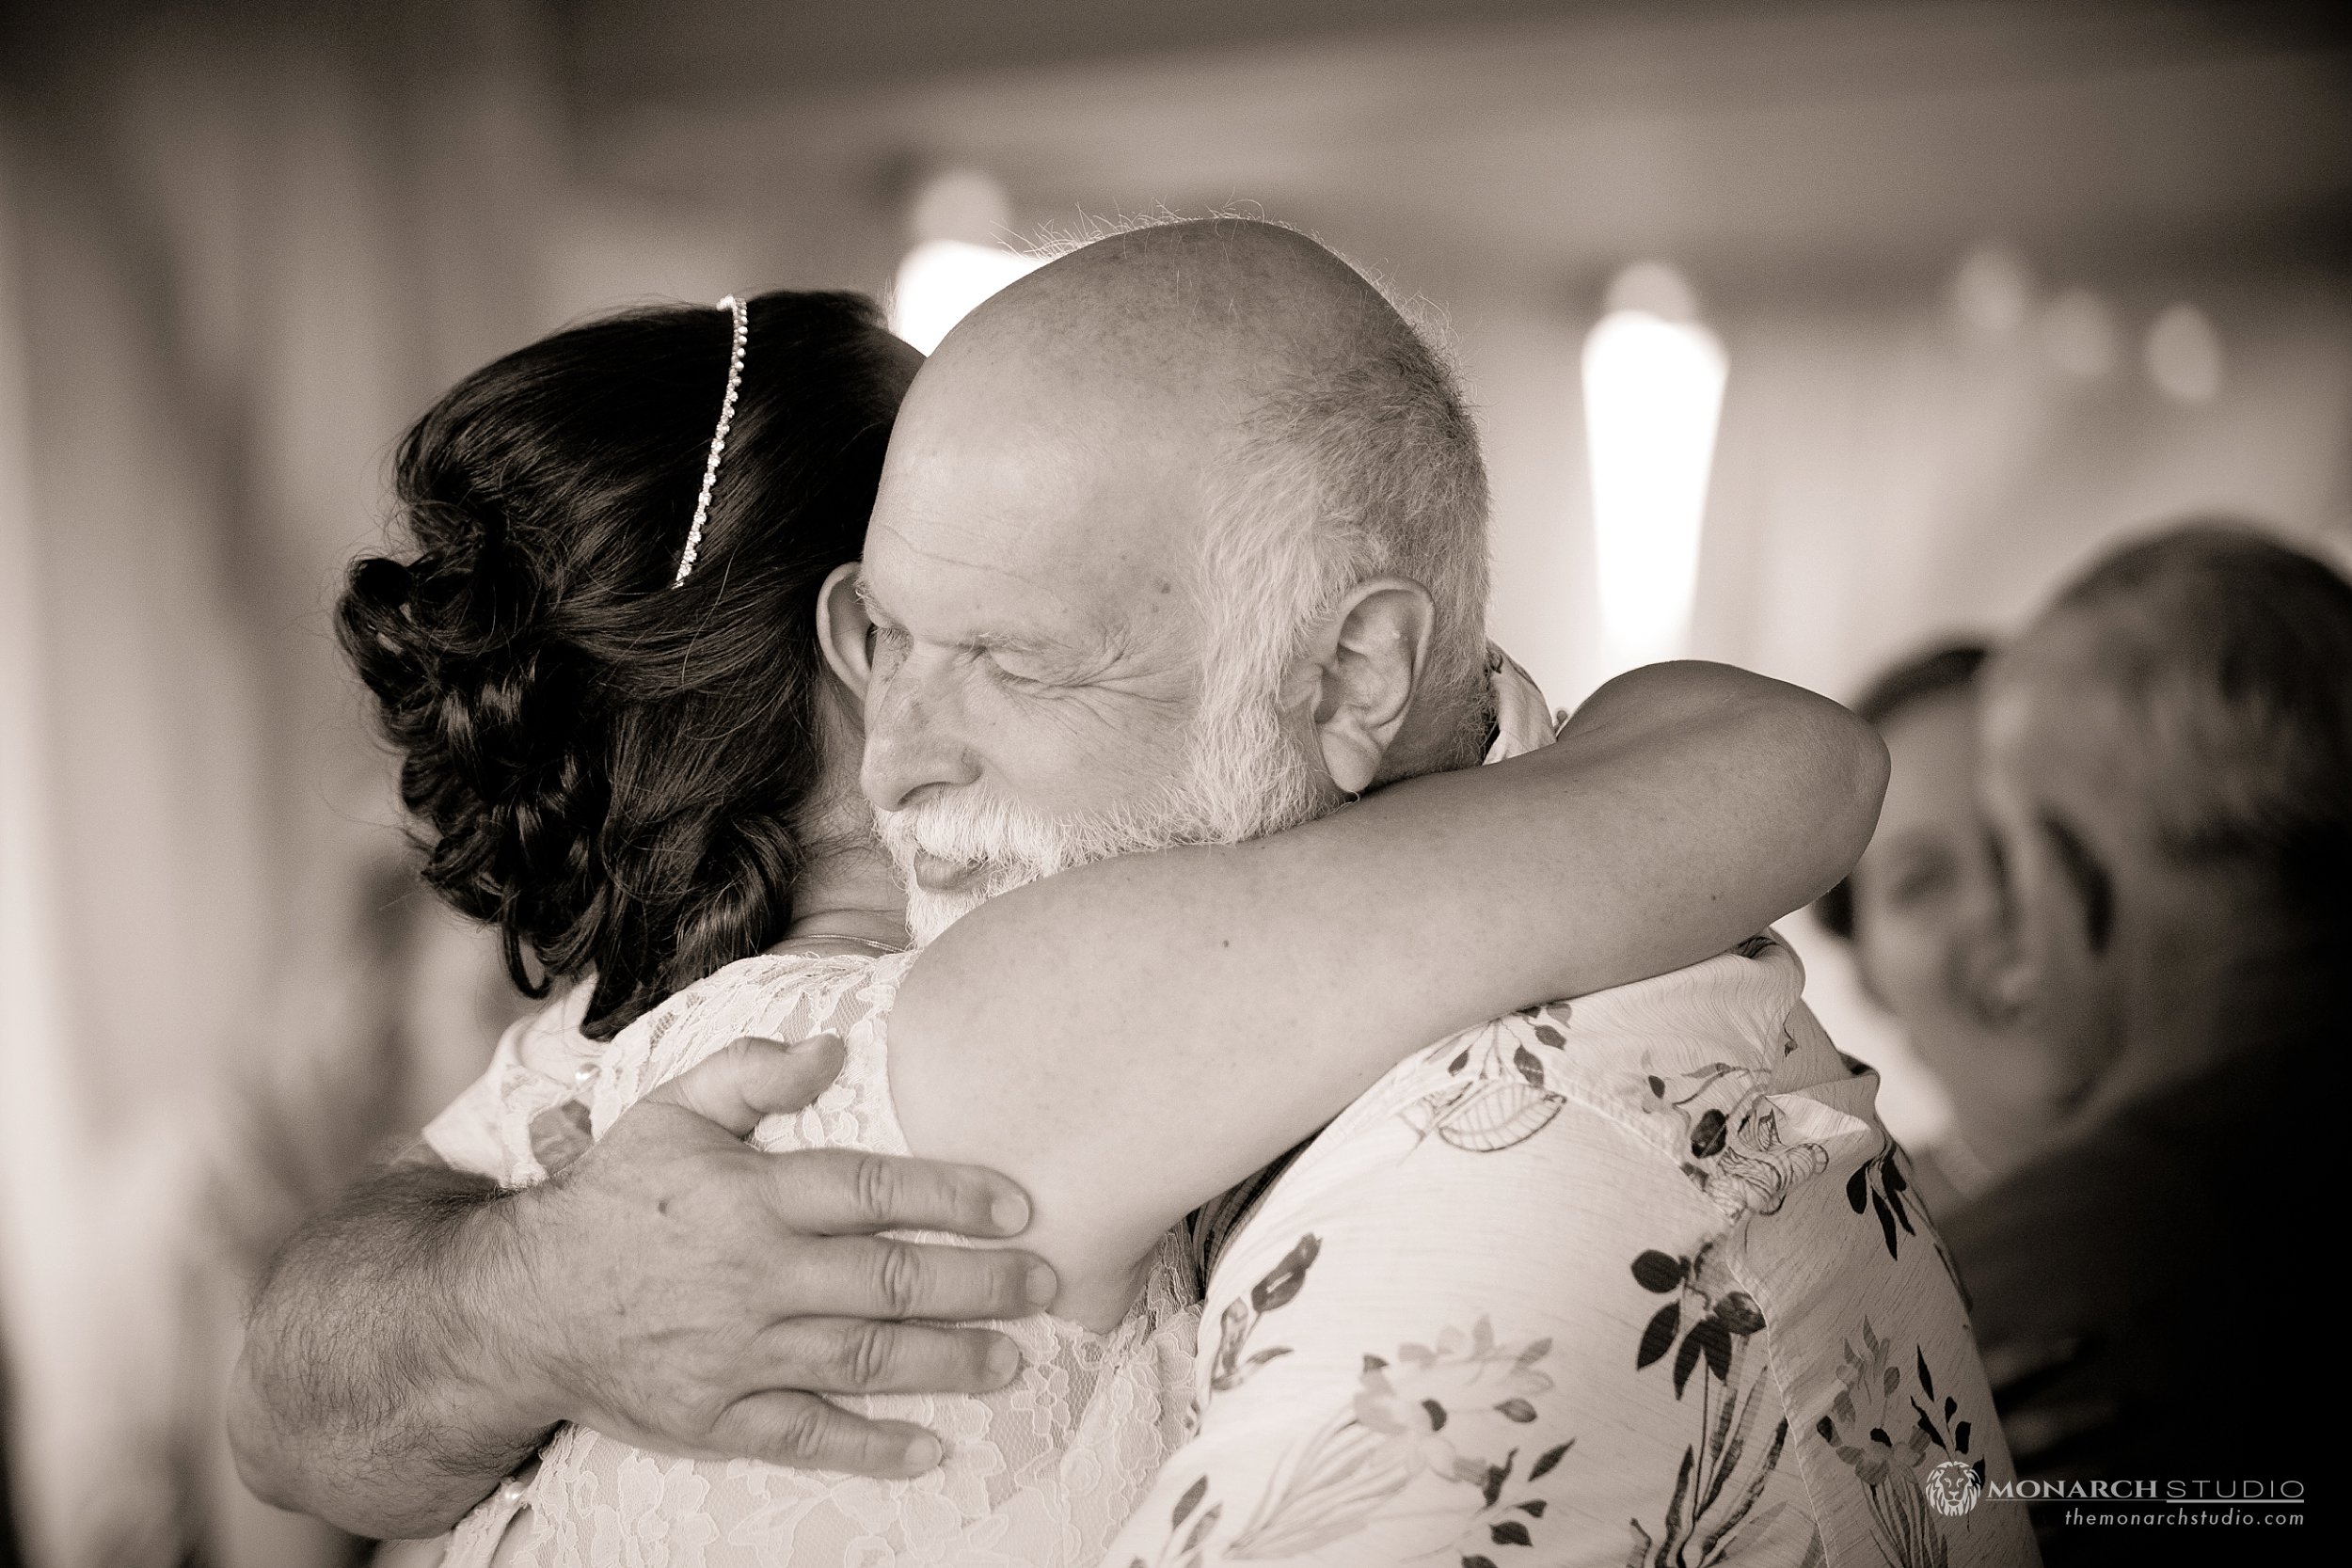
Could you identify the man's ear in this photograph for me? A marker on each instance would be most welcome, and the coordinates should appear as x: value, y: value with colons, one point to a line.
x: 1366, y: 663
x: 843, y: 631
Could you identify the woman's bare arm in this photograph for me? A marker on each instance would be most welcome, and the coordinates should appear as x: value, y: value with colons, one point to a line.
x: 1127, y: 1039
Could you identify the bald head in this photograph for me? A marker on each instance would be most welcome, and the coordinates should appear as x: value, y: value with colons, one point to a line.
x: 1202, y: 320
x: 1234, y: 405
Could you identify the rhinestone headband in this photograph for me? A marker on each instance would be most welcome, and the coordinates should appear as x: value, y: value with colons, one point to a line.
x: 719, y: 440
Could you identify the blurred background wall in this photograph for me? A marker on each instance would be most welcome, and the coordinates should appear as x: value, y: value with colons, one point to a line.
x: 1981, y: 286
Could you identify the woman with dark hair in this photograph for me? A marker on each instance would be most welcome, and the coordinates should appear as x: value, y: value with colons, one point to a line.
x: 600, y: 661
x: 618, y: 771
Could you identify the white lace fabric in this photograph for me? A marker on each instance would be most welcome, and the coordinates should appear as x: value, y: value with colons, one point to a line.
x: 1040, y: 1472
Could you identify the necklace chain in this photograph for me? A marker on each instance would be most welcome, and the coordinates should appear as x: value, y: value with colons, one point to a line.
x: 867, y: 942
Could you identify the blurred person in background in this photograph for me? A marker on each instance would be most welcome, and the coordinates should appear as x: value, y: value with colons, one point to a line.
x: 1917, y: 909
x: 2167, y: 769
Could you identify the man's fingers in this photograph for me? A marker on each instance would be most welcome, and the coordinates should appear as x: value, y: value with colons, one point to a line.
x: 870, y: 1276
x: 839, y: 1192
x: 753, y: 1078
x: 787, y: 1428
x: 863, y: 1355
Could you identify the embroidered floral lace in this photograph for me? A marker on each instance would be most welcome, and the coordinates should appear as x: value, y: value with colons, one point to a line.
x: 1043, y: 1471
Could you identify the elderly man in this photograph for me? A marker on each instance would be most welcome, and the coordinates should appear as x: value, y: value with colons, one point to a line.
x: 1633, y: 1276
x: 2168, y: 767
x: 1637, y: 1275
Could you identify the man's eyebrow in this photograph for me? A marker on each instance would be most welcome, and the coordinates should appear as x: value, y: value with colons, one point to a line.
x: 1004, y: 642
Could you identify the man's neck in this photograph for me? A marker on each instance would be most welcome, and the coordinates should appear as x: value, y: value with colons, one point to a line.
x: 2212, y: 971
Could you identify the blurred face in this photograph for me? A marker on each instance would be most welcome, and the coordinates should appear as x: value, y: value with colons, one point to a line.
x: 1927, y: 901
x: 1039, y: 652
x: 2055, y: 791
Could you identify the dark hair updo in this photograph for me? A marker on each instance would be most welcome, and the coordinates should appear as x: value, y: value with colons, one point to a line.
x: 616, y: 773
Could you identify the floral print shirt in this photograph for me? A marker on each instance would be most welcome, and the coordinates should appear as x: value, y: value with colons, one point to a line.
x: 1637, y: 1281
x: 1632, y: 1281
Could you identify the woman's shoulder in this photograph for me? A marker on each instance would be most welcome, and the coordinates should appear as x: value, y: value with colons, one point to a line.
x: 787, y: 995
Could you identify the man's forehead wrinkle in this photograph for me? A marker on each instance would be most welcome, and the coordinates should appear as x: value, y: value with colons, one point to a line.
x: 991, y: 562
x: 1048, y: 618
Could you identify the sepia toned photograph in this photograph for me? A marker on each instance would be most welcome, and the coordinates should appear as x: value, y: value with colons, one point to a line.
x: 1159, y: 783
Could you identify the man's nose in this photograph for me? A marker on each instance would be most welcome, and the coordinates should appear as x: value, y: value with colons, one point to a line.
x: 1992, y: 966
x: 914, y: 740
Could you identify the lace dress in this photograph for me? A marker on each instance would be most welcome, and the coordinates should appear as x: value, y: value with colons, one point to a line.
x: 1040, y: 1472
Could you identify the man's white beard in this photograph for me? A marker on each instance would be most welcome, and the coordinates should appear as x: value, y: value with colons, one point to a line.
x: 1243, y: 777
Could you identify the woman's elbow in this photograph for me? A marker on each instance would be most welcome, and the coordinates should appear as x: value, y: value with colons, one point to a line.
x: 1851, y: 764
x: 1812, y: 777
x: 1808, y: 775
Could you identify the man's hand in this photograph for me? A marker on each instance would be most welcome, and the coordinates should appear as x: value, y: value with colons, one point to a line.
x: 697, y: 1295
x: 673, y: 1287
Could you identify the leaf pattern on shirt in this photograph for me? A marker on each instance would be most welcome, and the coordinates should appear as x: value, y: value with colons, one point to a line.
x: 1496, y: 1094
x: 1887, y: 1426
x: 1441, y: 1412
x: 1879, y: 1183
x: 1708, y: 1322
x: 1429, y: 1411
x: 1716, y: 1323
x: 1277, y: 1288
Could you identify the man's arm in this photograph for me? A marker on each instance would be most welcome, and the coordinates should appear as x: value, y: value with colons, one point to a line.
x: 673, y: 1286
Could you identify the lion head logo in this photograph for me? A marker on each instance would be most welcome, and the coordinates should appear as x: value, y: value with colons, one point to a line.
x: 1952, y: 1488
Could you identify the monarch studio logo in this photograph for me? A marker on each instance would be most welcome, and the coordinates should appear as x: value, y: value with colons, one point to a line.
x: 1952, y: 1488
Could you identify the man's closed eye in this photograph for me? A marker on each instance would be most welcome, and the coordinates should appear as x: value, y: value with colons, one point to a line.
x: 1013, y: 680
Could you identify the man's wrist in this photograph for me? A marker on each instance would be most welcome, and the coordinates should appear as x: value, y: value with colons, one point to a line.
x: 513, y: 1324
